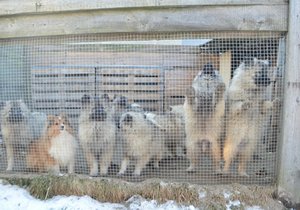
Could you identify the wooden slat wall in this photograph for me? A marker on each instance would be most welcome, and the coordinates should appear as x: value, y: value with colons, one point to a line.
x: 59, y: 88
x: 155, y: 80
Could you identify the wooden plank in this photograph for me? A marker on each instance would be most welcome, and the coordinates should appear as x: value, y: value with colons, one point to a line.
x: 60, y: 88
x: 135, y: 79
x: 289, y: 179
x: 172, y: 101
x: 176, y: 81
x: 60, y: 70
x: 225, y: 67
x: 8, y: 7
x: 170, y: 58
x: 75, y: 94
x: 128, y: 71
x: 129, y: 88
x: 74, y: 108
x: 202, y: 18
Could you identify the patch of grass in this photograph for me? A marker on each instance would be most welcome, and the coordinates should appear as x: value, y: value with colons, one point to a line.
x: 119, y: 191
x: 106, y: 190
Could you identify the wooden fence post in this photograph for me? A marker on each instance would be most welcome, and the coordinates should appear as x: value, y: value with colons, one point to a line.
x: 289, y: 168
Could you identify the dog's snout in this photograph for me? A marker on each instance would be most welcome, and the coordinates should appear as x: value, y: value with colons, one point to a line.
x: 261, y: 79
x: 208, y: 69
x: 62, y: 127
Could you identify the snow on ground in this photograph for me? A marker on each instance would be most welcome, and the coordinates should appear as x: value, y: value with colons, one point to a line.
x: 16, y: 198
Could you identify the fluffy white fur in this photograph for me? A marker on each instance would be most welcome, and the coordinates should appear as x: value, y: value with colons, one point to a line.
x: 63, y: 150
x: 143, y: 142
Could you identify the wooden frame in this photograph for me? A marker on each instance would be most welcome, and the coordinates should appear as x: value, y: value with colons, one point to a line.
x: 46, y: 18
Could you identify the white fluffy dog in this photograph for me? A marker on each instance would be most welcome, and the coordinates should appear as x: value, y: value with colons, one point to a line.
x: 143, y: 141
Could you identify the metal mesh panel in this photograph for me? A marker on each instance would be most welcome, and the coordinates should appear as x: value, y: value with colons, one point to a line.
x: 195, y: 107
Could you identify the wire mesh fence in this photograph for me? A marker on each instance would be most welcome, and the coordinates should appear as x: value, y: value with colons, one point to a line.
x: 196, y: 107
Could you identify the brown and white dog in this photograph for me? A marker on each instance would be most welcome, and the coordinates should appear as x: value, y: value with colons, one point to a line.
x: 56, y: 148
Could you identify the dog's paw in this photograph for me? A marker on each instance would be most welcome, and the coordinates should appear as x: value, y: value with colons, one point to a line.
x: 93, y: 174
x: 218, y: 172
x: 120, y: 174
x: 191, y: 169
x: 277, y: 103
x: 136, y: 174
x: 225, y: 173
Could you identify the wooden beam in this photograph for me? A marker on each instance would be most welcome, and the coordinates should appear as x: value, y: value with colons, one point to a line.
x: 198, y: 18
x: 225, y: 67
x: 11, y: 7
x: 289, y: 171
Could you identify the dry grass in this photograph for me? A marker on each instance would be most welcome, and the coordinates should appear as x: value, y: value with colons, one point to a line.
x: 106, y: 190
x: 119, y: 191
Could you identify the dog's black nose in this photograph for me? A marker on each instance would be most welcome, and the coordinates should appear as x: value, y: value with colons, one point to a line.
x: 62, y: 127
x: 261, y: 79
x: 208, y: 69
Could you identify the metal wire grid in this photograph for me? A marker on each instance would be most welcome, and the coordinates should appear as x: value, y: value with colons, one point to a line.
x: 122, y: 96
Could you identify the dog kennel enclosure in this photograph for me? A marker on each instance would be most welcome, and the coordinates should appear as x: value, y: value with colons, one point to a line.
x: 150, y: 52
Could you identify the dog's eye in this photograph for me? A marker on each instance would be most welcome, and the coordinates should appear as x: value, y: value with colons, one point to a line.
x: 56, y: 123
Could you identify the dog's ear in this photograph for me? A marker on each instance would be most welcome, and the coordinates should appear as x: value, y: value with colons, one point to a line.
x: 50, y: 120
x: 86, y: 99
x: 51, y: 117
x: 2, y: 104
x: 249, y: 61
x: 64, y: 118
x: 127, y: 120
x: 105, y: 96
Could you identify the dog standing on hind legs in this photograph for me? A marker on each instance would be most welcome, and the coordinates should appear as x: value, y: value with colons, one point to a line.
x: 246, y: 113
x: 204, y: 111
